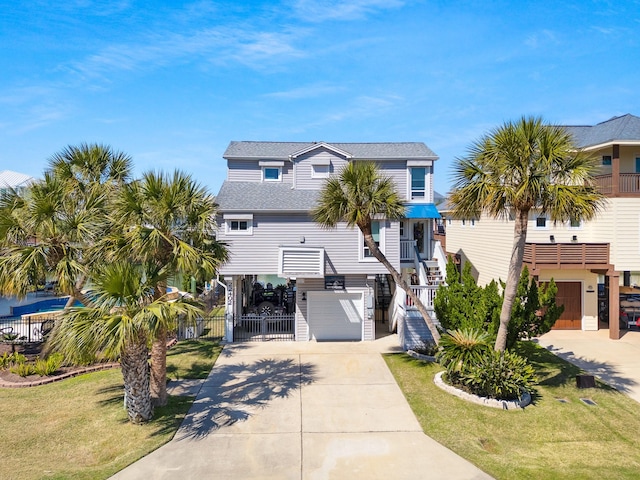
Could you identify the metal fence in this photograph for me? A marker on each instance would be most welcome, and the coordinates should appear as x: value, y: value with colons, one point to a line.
x: 253, y: 328
x: 204, y: 328
x: 26, y: 329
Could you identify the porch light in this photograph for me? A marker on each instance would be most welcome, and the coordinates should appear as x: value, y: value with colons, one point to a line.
x: 304, y: 296
x: 574, y: 238
x: 552, y: 238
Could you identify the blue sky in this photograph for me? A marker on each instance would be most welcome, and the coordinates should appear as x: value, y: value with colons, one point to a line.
x: 171, y: 83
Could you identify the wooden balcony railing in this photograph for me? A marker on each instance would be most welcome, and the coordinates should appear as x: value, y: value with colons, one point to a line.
x: 628, y: 184
x: 567, y: 255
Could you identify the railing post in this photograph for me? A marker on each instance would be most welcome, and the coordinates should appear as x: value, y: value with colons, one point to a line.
x: 615, y: 171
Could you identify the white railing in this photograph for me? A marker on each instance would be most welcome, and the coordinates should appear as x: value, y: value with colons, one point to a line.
x: 426, y: 294
x: 441, y: 257
x: 407, y: 252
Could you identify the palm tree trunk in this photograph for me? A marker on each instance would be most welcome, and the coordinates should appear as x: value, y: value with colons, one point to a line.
x: 513, y: 276
x: 373, y: 248
x: 159, y: 358
x: 159, y: 369
x: 135, y: 373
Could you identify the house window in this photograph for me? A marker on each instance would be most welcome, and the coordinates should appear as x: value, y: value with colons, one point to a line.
x: 418, y: 183
x: 606, y: 160
x: 377, y: 231
x: 402, y: 234
x: 541, y: 222
x: 271, y: 174
x: 320, y: 171
x: 575, y: 223
x: 239, y: 224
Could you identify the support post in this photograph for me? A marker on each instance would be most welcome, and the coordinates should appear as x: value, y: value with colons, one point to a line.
x: 614, y: 304
x: 615, y: 171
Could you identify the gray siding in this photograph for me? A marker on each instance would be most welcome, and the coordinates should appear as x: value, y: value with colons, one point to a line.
x: 258, y: 253
x: 304, y: 179
x: 397, y: 170
x: 251, y: 171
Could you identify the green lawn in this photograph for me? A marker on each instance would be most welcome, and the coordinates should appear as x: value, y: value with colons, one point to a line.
x: 547, y: 440
x: 78, y: 428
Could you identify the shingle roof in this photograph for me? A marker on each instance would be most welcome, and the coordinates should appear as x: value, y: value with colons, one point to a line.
x: 12, y: 179
x: 625, y: 127
x: 258, y: 196
x: 282, y: 150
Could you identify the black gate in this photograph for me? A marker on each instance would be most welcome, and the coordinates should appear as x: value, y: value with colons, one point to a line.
x: 254, y: 328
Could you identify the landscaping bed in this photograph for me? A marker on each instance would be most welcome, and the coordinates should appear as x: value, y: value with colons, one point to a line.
x: 558, y: 436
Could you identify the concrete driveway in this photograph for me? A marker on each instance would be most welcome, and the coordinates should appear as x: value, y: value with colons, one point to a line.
x: 615, y: 362
x: 292, y: 410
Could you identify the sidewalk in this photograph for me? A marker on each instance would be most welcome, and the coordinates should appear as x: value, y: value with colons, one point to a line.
x: 302, y: 410
x: 616, y: 362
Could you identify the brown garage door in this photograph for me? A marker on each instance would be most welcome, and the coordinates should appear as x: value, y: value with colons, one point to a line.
x: 569, y: 295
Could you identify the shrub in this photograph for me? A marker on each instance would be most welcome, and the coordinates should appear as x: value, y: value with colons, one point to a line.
x: 500, y: 375
x: 459, y: 349
x: 50, y: 365
x: 8, y: 360
x: 23, y: 369
x: 426, y: 347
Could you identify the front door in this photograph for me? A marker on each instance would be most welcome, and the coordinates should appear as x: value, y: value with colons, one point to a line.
x: 569, y: 295
x: 418, y: 236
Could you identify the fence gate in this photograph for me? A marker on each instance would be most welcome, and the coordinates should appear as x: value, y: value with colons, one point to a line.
x: 254, y: 328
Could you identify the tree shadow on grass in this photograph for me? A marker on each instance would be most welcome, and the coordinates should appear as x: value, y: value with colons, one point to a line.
x: 556, y: 368
x: 236, y: 392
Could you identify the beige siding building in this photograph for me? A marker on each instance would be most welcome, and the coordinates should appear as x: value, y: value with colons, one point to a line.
x: 596, y: 264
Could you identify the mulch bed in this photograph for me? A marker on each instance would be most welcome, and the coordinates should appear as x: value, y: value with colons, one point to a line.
x: 33, y: 350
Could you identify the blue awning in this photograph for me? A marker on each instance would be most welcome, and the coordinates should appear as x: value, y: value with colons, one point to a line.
x: 422, y: 210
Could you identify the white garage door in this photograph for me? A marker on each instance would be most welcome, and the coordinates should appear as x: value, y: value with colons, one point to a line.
x: 335, y: 315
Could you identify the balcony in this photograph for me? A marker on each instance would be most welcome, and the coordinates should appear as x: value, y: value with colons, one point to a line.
x: 628, y: 185
x: 566, y: 256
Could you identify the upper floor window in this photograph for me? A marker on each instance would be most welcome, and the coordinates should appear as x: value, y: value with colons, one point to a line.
x: 418, y: 182
x: 541, y: 221
x: 606, y: 160
x: 238, y: 224
x: 575, y: 223
x: 271, y: 174
x: 377, y: 231
x: 320, y: 171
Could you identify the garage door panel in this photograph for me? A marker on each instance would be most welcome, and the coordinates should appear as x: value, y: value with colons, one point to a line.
x: 335, y: 315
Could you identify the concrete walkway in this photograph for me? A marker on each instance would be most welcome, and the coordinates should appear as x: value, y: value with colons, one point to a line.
x: 616, y: 362
x: 293, y: 410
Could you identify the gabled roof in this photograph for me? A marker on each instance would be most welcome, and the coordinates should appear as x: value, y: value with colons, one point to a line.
x: 266, y: 197
x: 370, y: 151
x: 10, y: 179
x: 623, y: 129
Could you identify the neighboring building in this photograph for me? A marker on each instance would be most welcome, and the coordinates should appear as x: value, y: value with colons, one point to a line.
x: 286, y: 275
x: 592, y: 262
x: 14, y: 180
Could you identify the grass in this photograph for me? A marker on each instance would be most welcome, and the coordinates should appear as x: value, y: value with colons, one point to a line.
x: 78, y: 428
x: 549, y: 439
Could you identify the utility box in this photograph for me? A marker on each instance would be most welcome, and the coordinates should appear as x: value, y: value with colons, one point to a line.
x: 585, y: 381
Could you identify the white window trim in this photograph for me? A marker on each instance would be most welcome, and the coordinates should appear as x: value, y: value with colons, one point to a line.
x: 546, y: 223
x: 361, y: 245
x: 426, y: 196
x: 320, y: 174
x: 579, y: 227
x: 279, y: 179
x: 239, y: 217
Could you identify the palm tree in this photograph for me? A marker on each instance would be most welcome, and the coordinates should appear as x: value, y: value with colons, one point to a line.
x: 518, y: 167
x: 118, y: 326
x: 168, y: 223
x: 48, y: 230
x: 357, y: 196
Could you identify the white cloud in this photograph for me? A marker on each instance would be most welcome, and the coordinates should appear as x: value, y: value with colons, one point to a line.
x: 309, y: 91
x: 541, y: 39
x: 322, y: 10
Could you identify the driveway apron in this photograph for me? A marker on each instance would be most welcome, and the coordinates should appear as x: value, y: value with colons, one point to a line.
x: 293, y: 410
